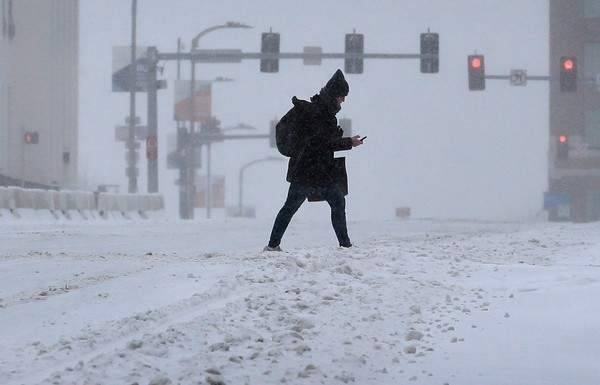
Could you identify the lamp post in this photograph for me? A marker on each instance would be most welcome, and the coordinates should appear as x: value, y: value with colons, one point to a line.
x: 190, y: 188
x: 241, y: 177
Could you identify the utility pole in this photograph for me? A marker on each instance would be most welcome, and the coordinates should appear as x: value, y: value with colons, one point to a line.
x: 131, y: 151
x: 208, y: 184
x: 190, y: 170
x: 152, y: 120
x: 181, y: 133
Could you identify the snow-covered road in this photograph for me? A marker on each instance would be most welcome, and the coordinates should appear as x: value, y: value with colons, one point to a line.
x: 423, y: 302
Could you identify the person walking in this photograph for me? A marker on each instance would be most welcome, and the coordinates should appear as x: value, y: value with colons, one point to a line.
x: 312, y: 169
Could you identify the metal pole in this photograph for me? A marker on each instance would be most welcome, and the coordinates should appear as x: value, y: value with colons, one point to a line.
x: 209, y: 189
x: 23, y: 147
x: 181, y: 146
x: 190, y: 153
x: 131, y: 152
x: 152, y: 119
x: 241, y: 187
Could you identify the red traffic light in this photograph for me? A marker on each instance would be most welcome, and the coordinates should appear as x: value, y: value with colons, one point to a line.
x: 31, y: 137
x: 476, y: 63
x: 568, y: 65
x: 563, y: 139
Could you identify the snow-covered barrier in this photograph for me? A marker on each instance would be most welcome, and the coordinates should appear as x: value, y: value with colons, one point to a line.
x: 42, y: 200
x: 152, y: 202
x: 60, y: 200
x: 24, y: 198
x: 8, y: 198
x: 130, y: 203
x: 107, y: 202
x: 82, y: 202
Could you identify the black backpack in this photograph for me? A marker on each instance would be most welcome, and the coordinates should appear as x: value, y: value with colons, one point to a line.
x: 287, y: 130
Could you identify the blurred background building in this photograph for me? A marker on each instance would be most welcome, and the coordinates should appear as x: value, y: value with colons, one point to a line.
x: 39, y: 57
x: 575, y: 116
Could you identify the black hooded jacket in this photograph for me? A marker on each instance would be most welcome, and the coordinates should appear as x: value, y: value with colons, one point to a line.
x: 319, y: 137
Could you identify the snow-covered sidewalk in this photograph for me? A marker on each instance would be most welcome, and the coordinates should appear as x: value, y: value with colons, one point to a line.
x: 421, y: 302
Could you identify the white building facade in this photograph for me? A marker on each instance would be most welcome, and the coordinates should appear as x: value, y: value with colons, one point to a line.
x: 39, y: 72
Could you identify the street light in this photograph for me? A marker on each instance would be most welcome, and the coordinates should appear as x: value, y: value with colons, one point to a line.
x: 190, y: 153
x: 241, y: 177
x: 229, y: 24
x: 239, y: 126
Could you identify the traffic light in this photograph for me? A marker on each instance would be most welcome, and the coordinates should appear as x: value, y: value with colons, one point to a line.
x: 269, y: 45
x: 31, y: 137
x: 272, y: 134
x: 430, y: 50
x: 562, y: 147
x: 476, y: 66
x: 355, y: 45
x: 568, y: 74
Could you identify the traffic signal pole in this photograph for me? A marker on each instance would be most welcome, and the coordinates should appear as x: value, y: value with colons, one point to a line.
x: 181, y: 131
x: 131, y: 150
x: 236, y: 56
x: 197, y: 139
x: 152, y: 119
x: 190, y: 156
x: 529, y: 77
x: 520, y: 77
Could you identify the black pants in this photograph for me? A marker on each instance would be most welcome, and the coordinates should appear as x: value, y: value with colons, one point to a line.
x: 296, y: 196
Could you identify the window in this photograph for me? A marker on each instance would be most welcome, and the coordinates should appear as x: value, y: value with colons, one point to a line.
x: 591, y: 8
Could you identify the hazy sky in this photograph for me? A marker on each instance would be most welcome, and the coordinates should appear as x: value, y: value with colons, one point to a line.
x: 432, y: 145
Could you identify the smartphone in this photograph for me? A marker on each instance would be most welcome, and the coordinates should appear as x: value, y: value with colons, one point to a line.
x: 363, y: 138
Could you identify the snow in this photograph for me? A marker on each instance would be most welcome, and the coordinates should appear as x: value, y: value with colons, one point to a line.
x: 421, y: 301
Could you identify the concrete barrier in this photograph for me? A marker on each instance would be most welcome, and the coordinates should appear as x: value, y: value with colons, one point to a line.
x: 61, y: 201
x: 133, y: 202
x: 156, y: 202
x: 53, y: 199
x: 82, y: 201
x: 104, y: 202
x: 41, y: 199
x: 71, y: 200
x: 3, y: 198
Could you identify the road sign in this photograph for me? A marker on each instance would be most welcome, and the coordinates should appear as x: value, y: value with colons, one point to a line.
x: 121, y: 69
x: 122, y: 133
x: 202, y: 101
x: 152, y: 147
x: 518, y: 77
x: 313, y: 56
